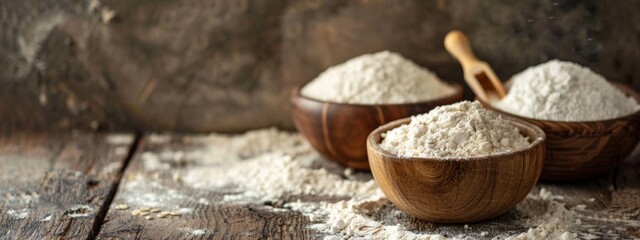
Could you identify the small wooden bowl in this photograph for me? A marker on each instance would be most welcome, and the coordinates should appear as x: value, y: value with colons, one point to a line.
x: 339, y: 131
x: 582, y: 150
x: 457, y: 190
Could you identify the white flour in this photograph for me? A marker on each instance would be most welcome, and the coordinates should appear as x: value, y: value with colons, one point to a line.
x: 380, y: 78
x: 19, y: 214
x: 272, y: 173
x: 119, y: 139
x: 274, y: 166
x: 348, y: 219
x: 551, y: 219
x: 565, y: 91
x: 457, y: 130
x: 272, y: 176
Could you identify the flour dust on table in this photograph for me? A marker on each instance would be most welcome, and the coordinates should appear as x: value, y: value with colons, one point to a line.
x: 279, y: 172
x: 379, y: 78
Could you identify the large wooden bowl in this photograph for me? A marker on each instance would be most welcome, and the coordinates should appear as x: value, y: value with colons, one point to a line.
x: 457, y: 190
x: 339, y: 131
x: 583, y: 150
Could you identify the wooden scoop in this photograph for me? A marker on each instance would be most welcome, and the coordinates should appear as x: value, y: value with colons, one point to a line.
x: 478, y: 74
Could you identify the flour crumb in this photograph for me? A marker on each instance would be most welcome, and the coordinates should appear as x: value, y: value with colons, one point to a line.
x: 565, y: 91
x: 348, y: 172
x: 191, y: 231
x: 547, y: 195
x: 157, y: 138
x: 119, y: 139
x: 379, y: 78
x: 46, y: 218
x: 19, y: 214
x: 458, y: 130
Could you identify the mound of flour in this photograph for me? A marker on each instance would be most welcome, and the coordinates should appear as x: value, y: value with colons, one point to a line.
x: 565, y: 91
x: 459, y: 130
x: 380, y: 78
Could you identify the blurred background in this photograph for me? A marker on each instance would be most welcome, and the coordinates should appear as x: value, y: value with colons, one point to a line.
x: 229, y: 65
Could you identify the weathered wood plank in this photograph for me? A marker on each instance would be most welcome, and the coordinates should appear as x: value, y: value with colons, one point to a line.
x: 55, y: 186
x: 202, y: 216
x: 611, y: 210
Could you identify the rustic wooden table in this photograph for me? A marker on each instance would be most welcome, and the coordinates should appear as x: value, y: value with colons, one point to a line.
x: 68, y: 186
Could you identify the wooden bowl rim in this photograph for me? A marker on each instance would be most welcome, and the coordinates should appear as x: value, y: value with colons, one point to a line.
x: 456, y: 96
x: 628, y: 91
x: 541, y: 137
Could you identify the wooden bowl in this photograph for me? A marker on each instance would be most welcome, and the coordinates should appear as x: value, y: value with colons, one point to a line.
x: 457, y: 190
x: 582, y: 150
x: 339, y: 131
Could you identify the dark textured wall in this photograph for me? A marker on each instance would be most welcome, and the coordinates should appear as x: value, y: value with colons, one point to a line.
x: 228, y: 65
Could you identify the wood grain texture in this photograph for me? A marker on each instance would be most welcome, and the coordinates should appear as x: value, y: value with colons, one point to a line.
x: 611, y: 201
x: 56, y: 186
x: 582, y: 150
x: 203, y: 214
x: 458, y: 190
x: 339, y: 131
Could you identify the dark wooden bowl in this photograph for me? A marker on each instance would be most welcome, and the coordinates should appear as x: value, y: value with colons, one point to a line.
x: 339, y: 131
x: 458, y: 190
x: 582, y: 150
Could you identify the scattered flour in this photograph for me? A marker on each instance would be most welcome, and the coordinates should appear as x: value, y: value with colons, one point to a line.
x: 196, y: 232
x: 241, y: 156
x: 46, y: 218
x: 565, y: 91
x: 284, y: 169
x: 551, y: 219
x: 80, y: 211
x: 458, y: 130
x: 547, y: 195
x: 119, y: 139
x: 278, y: 175
x: 159, y: 138
x: 380, y: 78
x: 19, y: 214
x: 142, y: 192
x: 347, y: 219
x: 281, y: 167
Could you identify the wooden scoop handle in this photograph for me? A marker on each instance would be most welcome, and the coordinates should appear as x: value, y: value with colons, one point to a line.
x: 458, y: 45
x: 478, y: 74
